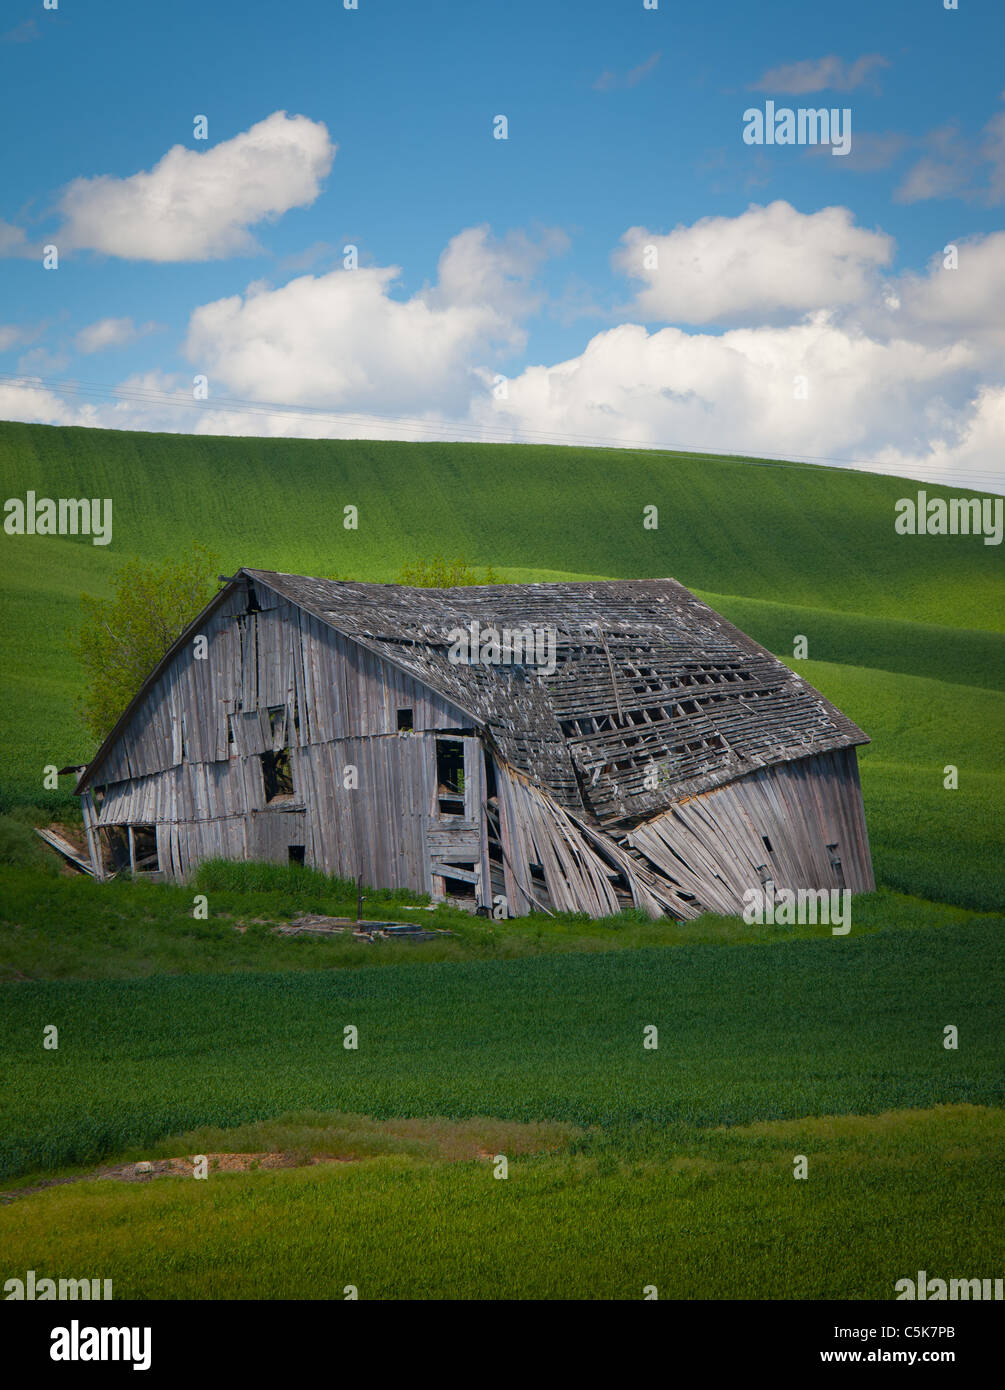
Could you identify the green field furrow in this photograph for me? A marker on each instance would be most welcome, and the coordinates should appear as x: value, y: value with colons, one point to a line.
x: 804, y: 1028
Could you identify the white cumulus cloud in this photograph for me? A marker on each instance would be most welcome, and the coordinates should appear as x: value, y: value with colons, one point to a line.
x: 343, y: 341
x: 959, y: 298
x: 768, y: 264
x: 198, y: 205
x: 733, y: 390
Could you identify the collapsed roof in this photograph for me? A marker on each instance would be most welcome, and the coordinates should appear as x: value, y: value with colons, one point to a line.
x: 654, y: 696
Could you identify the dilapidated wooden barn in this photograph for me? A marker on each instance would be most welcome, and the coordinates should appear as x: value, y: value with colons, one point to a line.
x: 527, y: 746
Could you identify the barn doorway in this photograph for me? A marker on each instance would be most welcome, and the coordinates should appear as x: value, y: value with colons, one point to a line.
x: 455, y: 833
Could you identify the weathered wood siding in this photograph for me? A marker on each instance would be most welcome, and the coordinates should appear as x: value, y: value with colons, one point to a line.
x: 777, y: 823
x: 799, y: 824
x: 188, y: 760
x: 537, y: 834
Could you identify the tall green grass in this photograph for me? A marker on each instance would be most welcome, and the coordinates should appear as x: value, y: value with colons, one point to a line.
x: 807, y: 1027
x: 69, y: 928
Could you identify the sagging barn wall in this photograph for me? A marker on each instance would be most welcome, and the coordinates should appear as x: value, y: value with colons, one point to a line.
x: 189, y: 762
x: 799, y: 824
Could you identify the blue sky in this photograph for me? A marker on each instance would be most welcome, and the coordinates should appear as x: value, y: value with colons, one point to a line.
x: 619, y: 117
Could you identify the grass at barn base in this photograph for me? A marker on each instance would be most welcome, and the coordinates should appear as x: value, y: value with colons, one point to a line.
x: 63, y: 927
x: 698, y: 1213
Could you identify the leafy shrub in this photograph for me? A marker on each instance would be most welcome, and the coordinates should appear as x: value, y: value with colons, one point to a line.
x: 120, y: 641
x: 630, y: 917
x: 439, y: 573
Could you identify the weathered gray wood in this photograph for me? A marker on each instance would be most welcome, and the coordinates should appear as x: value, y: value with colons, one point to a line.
x: 90, y: 818
x: 748, y: 756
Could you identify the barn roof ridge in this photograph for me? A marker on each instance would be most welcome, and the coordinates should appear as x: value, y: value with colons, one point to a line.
x: 665, y: 683
x: 683, y: 686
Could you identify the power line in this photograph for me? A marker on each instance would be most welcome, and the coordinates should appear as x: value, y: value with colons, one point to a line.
x: 495, y: 433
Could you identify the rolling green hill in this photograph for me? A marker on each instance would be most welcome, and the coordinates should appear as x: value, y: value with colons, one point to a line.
x: 904, y: 632
x: 788, y: 533
x: 185, y: 1035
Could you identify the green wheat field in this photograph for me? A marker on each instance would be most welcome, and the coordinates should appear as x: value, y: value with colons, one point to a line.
x: 626, y: 1167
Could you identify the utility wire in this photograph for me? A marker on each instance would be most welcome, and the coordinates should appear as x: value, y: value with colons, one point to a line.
x: 437, y: 427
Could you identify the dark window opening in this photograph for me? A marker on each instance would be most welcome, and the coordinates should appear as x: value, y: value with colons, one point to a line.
x: 117, y: 839
x: 450, y: 776
x: 406, y: 723
x: 767, y: 844
x: 459, y: 887
x: 277, y: 775
x: 450, y: 765
x: 296, y: 853
x: 145, y: 849
x: 252, y: 605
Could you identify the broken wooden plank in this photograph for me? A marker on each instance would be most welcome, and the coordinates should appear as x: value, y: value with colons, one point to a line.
x: 66, y: 850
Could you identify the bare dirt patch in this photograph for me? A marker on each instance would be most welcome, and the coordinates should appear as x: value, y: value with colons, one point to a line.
x: 145, y: 1171
x: 299, y: 1140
